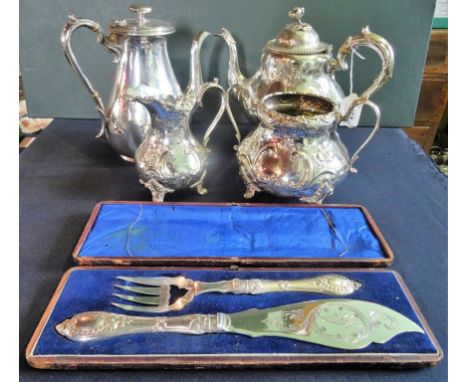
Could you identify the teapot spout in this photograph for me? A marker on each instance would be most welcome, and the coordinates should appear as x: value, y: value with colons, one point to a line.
x: 235, y: 76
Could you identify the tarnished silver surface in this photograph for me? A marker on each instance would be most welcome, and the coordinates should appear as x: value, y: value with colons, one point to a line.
x: 140, y: 52
x: 155, y: 293
x: 170, y: 158
x: 296, y: 150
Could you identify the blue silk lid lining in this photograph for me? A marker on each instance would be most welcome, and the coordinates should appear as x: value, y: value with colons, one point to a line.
x: 144, y: 230
x: 91, y: 289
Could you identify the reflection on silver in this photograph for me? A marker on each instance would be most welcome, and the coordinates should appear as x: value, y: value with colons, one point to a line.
x: 296, y: 150
x: 140, y: 52
x: 170, y: 158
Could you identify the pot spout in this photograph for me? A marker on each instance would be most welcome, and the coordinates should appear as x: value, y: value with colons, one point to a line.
x: 235, y: 76
x: 196, y: 77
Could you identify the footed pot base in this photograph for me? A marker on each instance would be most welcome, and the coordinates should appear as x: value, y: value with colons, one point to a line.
x: 158, y: 191
x: 292, y: 166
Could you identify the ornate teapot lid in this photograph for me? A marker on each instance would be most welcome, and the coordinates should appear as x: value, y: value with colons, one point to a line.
x: 297, y: 38
x: 141, y: 26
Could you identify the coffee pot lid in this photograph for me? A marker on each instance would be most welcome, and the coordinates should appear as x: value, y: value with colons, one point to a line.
x: 141, y: 26
x: 298, y: 38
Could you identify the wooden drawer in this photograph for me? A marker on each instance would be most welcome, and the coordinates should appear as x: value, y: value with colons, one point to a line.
x: 432, y: 99
x: 437, y: 54
x: 418, y: 133
x: 434, y: 92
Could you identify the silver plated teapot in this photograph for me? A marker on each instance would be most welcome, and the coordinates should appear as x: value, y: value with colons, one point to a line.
x: 296, y: 150
x: 170, y: 158
x: 139, y: 47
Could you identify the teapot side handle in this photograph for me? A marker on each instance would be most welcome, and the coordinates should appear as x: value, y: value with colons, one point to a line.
x: 65, y: 38
x: 376, y: 110
x: 227, y: 94
x: 203, y: 89
x: 375, y: 42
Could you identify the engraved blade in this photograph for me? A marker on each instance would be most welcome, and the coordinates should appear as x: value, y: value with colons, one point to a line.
x: 338, y: 323
x: 148, y: 291
x: 146, y: 300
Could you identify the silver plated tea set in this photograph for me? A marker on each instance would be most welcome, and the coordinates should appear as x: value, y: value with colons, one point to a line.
x: 295, y: 151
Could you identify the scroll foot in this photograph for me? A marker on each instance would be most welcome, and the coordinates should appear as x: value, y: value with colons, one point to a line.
x: 198, y: 186
x: 200, y: 189
x: 158, y: 191
x: 250, y: 187
x: 249, y: 192
x: 325, y: 189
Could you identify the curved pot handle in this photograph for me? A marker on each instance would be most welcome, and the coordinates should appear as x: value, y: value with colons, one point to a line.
x: 203, y: 89
x: 378, y: 44
x: 375, y: 108
x: 231, y: 116
x: 65, y: 38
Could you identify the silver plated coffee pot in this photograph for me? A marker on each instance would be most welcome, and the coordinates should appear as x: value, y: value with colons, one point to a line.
x: 170, y: 158
x: 296, y: 150
x: 139, y: 48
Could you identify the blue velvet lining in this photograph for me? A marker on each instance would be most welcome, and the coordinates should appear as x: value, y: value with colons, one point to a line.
x: 139, y: 230
x: 90, y: 289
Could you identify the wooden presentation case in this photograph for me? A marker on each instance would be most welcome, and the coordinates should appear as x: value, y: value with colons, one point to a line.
x: 237, y: 261
x: 241, y: 266
x: 237, y: 360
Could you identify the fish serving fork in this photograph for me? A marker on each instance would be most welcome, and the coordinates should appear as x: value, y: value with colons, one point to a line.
x: 153, y: 294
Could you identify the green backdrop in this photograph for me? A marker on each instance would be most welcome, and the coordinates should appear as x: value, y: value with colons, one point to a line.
x: 53, y: 90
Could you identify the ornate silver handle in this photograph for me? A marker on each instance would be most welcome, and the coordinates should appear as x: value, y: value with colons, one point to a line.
x: 203, y: 89
x: 98, y: 325
x: 73, y: 24
x: 385, y: 51
x: 376, y: 43
x: 375, y: 108
x: 231, y: 115
x: 327, y: 284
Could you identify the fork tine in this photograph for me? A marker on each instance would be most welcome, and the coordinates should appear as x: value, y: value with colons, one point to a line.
x: 149, y: 291
x: 143, y: 309
x: 148, y: 281
x: 153, y: 300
